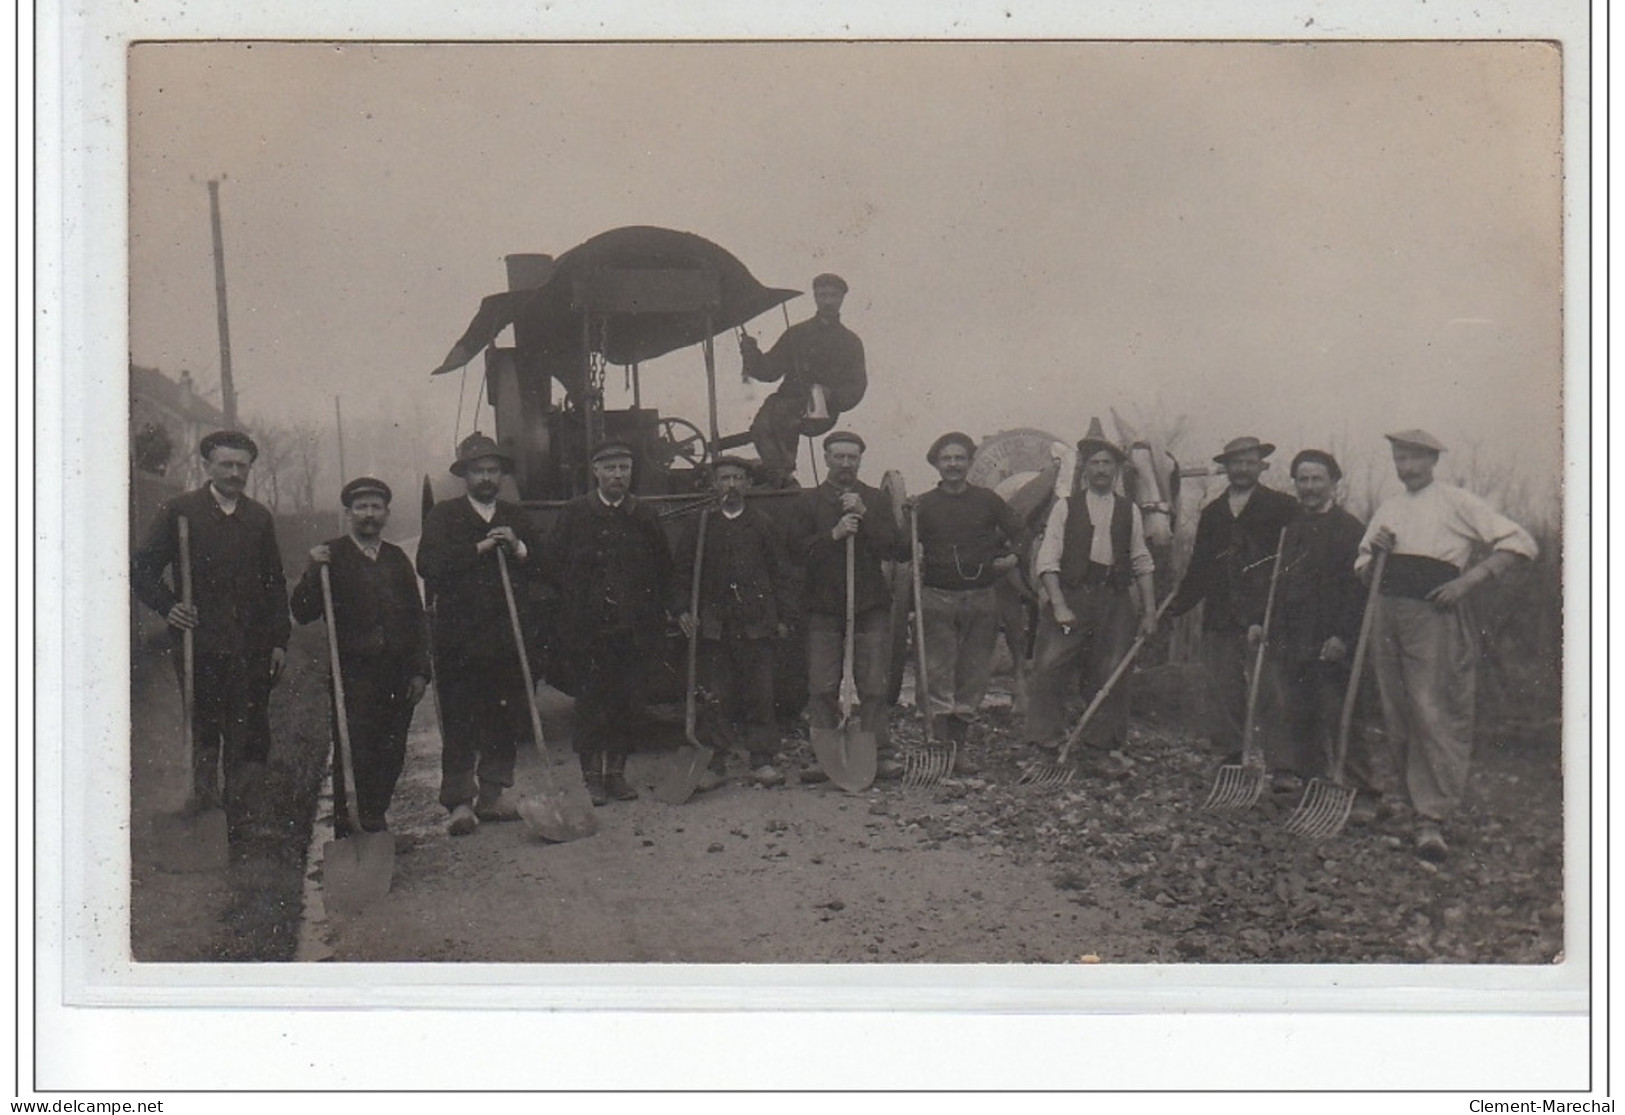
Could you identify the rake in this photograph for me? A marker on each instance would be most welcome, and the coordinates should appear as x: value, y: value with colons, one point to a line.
x: 1240, y: 787
x: 1326, y: 802
x: 926, y: 766
x: 1060, y: 772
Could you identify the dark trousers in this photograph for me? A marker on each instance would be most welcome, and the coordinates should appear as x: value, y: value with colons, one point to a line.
x: 826, y: 652
x: 483, y: 716
x: 1096, y: 644
x: 776, y: 430
x: 231, y: 696
x: 739, y: 673
x: 1227, y: 664
x: 610, y: 695
x: 378, y: 714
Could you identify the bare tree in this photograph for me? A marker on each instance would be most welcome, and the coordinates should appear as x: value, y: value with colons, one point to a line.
x: 305, y: 450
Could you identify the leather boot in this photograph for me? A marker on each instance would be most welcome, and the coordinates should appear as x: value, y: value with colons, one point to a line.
x: 592, y: 771
x: 615, y: 783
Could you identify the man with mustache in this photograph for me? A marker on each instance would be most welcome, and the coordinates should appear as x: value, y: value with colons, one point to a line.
x: 238, y: 618
x: 745, y: 606
x: 820, y: 363
x: 383, y: 651
x: 1236, y: 538
x: 1093, y: 562
x: 481, y: 684
x: 608, y: 559
x: 823, y: 519
x: 1425, y: 647
x: 969, y: 538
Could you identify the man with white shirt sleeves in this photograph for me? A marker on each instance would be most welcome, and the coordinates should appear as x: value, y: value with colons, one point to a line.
x: 383, y: 649
x: 238, y: 617
x: 1092, y: 563
x: 478, y: 674
x: 1424, y: 646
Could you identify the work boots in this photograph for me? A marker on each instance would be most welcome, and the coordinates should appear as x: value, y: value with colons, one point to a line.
x: 615, y: 783
x: 592, y: 771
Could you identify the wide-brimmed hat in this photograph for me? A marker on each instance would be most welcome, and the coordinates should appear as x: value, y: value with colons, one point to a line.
x: 1241, y: 445
x: 1419, y: 439
x: 365, y: 486
x: 1095, y: 440
x: 476, y: 447
x: 952, y: 437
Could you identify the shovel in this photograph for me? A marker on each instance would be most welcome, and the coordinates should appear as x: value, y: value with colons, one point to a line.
x: 847, y: 753
x: 558, y: 813
x: 682, y: 774
x: 1326, y: 802
x: 195, y: 838
x: 926, y: 766
x: 356, y: 869
x: 1059, y: 773
x: 1239, y: 787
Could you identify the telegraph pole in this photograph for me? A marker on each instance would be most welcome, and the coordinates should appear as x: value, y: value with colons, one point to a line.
x: 338, y: 415
x: 228, y: 390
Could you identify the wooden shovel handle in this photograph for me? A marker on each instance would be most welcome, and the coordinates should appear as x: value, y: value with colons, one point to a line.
x: 690, y: 711
x: 1346, y: 720
x: 519, y: 644
x: 340, y: 713
x: 183, y: 530
x: 849, y: 650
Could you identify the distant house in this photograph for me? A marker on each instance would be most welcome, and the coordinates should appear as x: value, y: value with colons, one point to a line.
x: 167, y: 420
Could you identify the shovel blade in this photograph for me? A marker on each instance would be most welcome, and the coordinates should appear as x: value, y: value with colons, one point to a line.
x: 682, y: 774
x: 188, y: 843
x: 848, y: 756
x: 357, y: 871
x: 1236, y: 787
x: 560, y: 812
x: 1323, y: 811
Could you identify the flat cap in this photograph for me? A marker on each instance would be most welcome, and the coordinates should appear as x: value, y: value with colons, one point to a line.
x: 477, y: 447
x: 228, y: 439
x: 365, y: 486
x: 743, y: 463
x: 1421, y: 439
x: 845, y: 435
x: 829, y: 279
x: 612, y: 451
x: 952, y: 437
x: 1241, y: 445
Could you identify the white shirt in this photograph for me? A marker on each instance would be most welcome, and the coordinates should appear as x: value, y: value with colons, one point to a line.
x: 1100, y: 515
x: 369, y: 550
x: 734, y: 514
x: 229, y: 506
x: 1444, y: 522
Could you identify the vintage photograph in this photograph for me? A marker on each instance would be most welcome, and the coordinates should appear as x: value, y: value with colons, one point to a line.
x: 889, y: 502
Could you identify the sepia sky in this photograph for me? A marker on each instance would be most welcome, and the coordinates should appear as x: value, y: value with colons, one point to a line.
x: 1313, y: 243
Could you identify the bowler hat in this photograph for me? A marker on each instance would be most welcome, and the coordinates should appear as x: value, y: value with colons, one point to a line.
x: 1317, y: 456
x: 612, y: 450
x: 829, y: 279
x: 1241, y: 445
x: 477, y: 447
x: 228, y: 439
x: 1095, y: 440
x: 365, y: 486
x: 1419, y: 439
x: 953, y: 437
x: 845, y: 435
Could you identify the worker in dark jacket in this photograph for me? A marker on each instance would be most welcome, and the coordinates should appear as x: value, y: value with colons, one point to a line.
x: 383, y: 648
x: 238, y: 618
x: 822, y: 520
x: 607, y: 557
x: 969, y: 539
x: 819, y: 366
x: 745, y: 606
x: 1318, y: 603
x: 1229, y: 572
x: 481, y: 683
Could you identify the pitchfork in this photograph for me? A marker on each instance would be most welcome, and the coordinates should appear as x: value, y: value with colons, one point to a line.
x: 926, y: 766
x: 1326, y: 802
x: 1060, y: 773
x: 1239, y: 787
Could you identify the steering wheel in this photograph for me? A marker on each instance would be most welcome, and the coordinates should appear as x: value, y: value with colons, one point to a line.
x: 681, y: 442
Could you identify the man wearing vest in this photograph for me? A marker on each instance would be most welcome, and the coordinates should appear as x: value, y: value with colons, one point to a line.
x: 1423, y: 642
x: 1092, y: 562
x: 1229, y: 571
x: 383, y: 651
